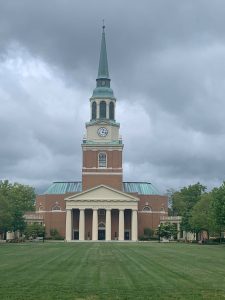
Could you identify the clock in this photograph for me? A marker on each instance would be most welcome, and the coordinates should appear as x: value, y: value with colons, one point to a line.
x: 102, y: 131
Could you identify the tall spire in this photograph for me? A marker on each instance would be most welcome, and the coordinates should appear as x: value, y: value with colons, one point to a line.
x: 103, y: 62
x: 103, y: 89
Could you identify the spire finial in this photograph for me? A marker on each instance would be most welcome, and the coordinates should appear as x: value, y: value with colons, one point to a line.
x: 103, y: 25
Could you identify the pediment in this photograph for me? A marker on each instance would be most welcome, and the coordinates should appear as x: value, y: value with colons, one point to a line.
x: 102, y: 193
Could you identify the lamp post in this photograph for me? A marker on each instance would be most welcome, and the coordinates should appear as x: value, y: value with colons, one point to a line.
x: 44, y: 233
x: 159, y: 226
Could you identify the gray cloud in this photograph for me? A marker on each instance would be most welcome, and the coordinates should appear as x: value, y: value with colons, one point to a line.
x: 167, y: 65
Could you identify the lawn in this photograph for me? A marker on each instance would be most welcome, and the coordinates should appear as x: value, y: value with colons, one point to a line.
x: 111, y: 271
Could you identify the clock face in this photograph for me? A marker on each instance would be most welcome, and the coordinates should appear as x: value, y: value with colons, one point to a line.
x: 102, y: 131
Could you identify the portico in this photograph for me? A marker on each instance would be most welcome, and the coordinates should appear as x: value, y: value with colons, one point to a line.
x: 107, y: 213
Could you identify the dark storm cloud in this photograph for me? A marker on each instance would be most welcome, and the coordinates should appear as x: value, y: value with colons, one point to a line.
x: 167, y: 64
x: 66, y: 32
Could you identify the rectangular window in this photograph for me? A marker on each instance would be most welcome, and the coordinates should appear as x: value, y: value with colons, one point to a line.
x: 102, y: 160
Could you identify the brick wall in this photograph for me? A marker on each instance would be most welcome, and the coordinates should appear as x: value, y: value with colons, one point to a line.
x: 90, y: 181
x: 114, y: 158
x: 57, y: 219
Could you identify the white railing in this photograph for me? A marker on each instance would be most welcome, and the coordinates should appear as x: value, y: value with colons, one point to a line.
x: 170, y: 218
x: 33, y: 217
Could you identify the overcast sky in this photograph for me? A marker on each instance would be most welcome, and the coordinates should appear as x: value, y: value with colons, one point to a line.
x: 167, y: 69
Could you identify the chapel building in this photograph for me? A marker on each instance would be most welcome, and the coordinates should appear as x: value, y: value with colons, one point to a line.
x: 102, y: 206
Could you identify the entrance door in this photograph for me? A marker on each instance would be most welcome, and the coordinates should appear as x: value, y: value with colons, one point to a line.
x: 101, y: 232
x: 127, y: 235
x: 101, y: 235
x: 76, y: 235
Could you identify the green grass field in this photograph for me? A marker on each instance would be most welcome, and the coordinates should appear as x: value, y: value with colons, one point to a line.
x: 111, y: 271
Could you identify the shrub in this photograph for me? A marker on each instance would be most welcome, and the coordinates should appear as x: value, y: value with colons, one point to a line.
x: 167, y: 231
x: 148, y: 232
x: 143, y: 238
x: 217, y: 240
x: 154, y: 238
x: 210, y: 242
x: 34, y: 230
x: 54, y: 234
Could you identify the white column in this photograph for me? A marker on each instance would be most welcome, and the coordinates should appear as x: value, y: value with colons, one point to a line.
x: 134, y: 225
x: 121, y: 225
x: 68, y: 225
x: 95, y: 225
x: 81, y: 225
x: 108, y: 224
x: 178, y: 230
x: 90, y: 110
x: 107, y: 110
x: 98, y: 109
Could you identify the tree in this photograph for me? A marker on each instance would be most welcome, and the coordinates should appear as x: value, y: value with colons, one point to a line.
x: 167, y: 230
x: 15, y: 200
x: 170, y: 192
x: 183, y: 202
x: 219, y: 207
x: 186, y: 198
x: 5, y: 216
x: 202, y: 216
x: 34, y: 230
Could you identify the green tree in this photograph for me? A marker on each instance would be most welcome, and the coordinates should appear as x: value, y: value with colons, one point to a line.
x: 202, y: 216
x: 186, y: 198
x: 219, y: 207
x: 170, y: 193
x: 167, y: 230
x: 5, y: 216
x: 34, y: 230
x: 15, y: 200
x: 183, y: 202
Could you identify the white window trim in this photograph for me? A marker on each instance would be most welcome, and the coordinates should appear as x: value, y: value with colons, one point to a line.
x: 40, y: 208
x: 56, y: 206
x: 102, y: 225
x: 101, y: 167
x: 147, y: 211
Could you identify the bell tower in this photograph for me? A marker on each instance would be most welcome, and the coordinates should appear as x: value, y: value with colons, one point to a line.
x: 102, y: 146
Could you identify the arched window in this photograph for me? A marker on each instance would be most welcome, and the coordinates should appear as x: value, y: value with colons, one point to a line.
x: 40, y: 208
x: 94, y: 111
x: 111, y: 111
x: 101, y: 226
x: 162, y: 209
x: 56, y: 208
x: 147, y: 209
x: 102, y: 160
x: 102, y: 110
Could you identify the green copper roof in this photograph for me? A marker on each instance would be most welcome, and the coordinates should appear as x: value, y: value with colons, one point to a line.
x: 142, y: 188
x: 103, y: 71
x: 103, y: 92
x: 64, y: 187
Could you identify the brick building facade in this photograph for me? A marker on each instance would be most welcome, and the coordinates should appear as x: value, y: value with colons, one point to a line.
x: 102, y: 206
